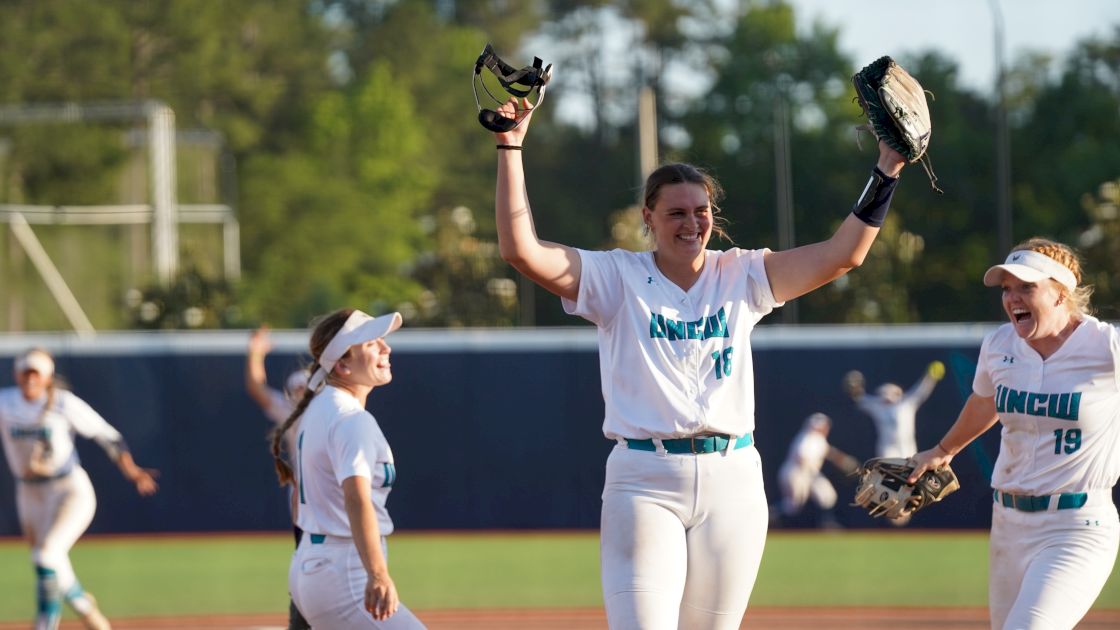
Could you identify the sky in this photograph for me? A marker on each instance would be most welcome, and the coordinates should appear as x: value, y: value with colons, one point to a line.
x: 960, y: 29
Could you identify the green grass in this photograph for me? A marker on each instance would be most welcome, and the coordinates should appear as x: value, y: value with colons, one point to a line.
x: 247, y: 574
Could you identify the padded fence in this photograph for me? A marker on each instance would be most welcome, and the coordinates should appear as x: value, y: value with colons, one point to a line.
x: 490, y: 429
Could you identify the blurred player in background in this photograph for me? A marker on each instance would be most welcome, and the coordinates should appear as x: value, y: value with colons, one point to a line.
x: 1051, y: 377
x: 800, y: 477
x: 894, y: 411
x: 339, y: 576
x: 54, y: 496
x: 684, y: 514
x: 277, y: 406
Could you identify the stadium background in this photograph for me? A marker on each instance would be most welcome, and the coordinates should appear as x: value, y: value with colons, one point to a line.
x: 492, y: 429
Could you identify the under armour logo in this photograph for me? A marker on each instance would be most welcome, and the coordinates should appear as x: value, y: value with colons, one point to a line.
x: 649, y: 280
x: 1007, y: 359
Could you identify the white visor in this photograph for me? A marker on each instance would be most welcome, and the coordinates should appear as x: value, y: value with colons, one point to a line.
x: 1030, y: 266
x: 359, y: 328
x: 36, y: 360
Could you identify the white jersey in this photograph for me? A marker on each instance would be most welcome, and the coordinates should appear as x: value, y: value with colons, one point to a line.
x: 674, y: 363
x: 1061, y: 416
x: 24, y: 425
x: 894, y: 422
x: 339, y: 439
x: 807, y: 453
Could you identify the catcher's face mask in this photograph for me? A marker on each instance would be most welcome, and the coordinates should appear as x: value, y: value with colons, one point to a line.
x: 520, y: 83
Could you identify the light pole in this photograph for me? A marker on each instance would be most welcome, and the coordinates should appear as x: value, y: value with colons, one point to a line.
x: 1003, y: 141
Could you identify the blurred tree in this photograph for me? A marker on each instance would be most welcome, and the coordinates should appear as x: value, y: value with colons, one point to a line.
x: 1100, y: 245
x: 339, y: 224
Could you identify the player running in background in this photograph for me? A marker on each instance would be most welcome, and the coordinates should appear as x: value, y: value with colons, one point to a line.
x: 684, y: 514
x: 894, y: 411
x: 339, y: 575
x: 1051, y: 376
x: 277, y: 406
x: 800, y: 476
x: 54, y: 496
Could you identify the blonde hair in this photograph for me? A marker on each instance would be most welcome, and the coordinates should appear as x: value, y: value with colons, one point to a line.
x: 1077, y: 299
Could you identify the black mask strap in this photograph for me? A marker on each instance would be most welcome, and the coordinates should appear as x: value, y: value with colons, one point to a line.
x: 531, y: 77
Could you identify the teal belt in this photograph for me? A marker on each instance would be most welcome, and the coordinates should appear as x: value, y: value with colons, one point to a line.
x: 693, y: 445
x: 317, y: 539
x: 1026, y: 503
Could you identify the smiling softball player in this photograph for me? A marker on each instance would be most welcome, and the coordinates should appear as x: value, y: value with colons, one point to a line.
x: 1051, y: 377
x: 339, y: 575
x: 684, y: 513
x: 54, y: 496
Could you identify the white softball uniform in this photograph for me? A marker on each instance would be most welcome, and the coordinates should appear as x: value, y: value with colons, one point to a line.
x: 56, y: 505
x: 894, y: 422
x: 338, y: 439
x: 1055, y: 530
x: 681, y: 534
x: 800, y: 474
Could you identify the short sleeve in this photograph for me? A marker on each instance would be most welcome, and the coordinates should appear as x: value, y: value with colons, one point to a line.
x: 760, y: 297
x: 600, y: 293
x: 982, y: 383
x: 87, y: 422
x: 353, y: 444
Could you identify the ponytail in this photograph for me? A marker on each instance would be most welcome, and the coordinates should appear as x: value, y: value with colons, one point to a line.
x: 283, y: 468
x: 324, y: 330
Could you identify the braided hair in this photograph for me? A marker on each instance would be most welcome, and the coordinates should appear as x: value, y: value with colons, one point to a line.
x: 1078, y: 298
x: 325, y: 328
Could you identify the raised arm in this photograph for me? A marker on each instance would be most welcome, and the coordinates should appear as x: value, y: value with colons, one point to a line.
x: 381, y: 599
x: 554, y: 266
x: 977, y: 416
x: 256, y: 383
x: 795, y: 272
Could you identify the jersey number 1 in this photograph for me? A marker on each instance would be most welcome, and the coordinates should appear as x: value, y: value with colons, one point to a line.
x: 723, y: 362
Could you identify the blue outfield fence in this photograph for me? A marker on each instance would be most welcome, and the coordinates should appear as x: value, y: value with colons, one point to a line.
x: 490, y: 428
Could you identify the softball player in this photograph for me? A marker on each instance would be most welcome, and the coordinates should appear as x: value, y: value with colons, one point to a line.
x: 894, y: 411
x: 800, y: 476
x: 54, y: 496
x: 339, y: 576
x: 684, y: 514
x: 1051, y: 377
x: 277, y: 406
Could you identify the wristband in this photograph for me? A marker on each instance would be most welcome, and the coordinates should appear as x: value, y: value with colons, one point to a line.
x: 876, y: 198
x: 509, y: 147
x: 943, y: 449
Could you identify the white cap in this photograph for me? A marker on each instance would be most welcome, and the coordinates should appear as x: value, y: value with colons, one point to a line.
x: 1030, y: 266
x: 296, y: 380
x: 359, y: 328
x: 37, y: 360
x: 818, y: 421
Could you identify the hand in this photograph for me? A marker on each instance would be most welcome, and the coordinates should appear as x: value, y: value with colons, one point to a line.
x: 259, y: 342
x: 890, y: 161
x: 145, y: 481
x: 381, y: 595
x: 518, y: 111
x: 936, y: 370
x: 931, y: 459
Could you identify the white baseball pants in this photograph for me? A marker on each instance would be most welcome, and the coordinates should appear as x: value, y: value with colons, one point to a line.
x: 681, y: 538
x: 328, y: 583
x: 54, y: 515
x: 1047, y: 568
